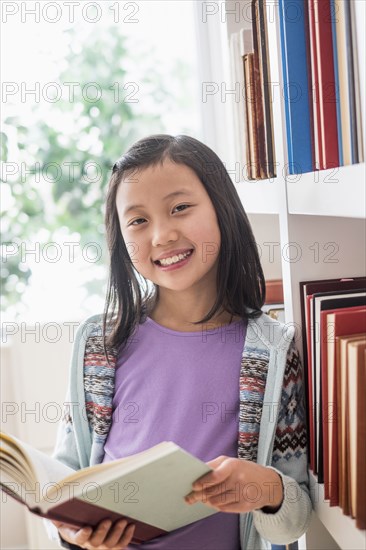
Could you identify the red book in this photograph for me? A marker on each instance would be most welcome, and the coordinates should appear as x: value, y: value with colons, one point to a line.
x: 314, y: 86
x: 343, y: 322
x: 274, y: 291
x: 323, y: 82
x: 328, y: 410
x: 309, y: 339
x: 308, y: 288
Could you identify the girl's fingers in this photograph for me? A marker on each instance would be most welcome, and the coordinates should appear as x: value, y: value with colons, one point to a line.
x: 100, y: 532
x: 127, y: 536
x: 116, y: 533
x: 223, y: 499
x: 76, y: 536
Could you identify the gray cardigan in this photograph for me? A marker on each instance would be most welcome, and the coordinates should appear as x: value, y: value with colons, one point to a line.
x: 277, y: 422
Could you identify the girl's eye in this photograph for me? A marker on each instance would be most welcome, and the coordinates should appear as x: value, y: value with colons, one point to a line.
x: 133, y: 223
x: 179, y: 205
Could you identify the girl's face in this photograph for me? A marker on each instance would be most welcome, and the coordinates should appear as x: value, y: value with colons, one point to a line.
x: 156, y: 223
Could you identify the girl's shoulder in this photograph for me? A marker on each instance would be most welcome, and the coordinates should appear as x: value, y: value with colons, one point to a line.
x: 89, y: 327
x: 270, y: 333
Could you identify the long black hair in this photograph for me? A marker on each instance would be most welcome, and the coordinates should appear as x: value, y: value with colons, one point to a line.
x: 240, y: 279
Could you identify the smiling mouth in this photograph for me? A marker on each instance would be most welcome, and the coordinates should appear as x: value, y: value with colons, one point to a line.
x: 185, y: 255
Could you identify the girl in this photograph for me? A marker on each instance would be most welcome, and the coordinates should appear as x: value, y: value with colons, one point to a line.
x: 194, y: 357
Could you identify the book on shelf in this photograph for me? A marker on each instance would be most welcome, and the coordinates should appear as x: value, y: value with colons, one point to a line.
x: 262, y: 92
x: 329, y: 414
x: 296, y: 88
x: 251, y: 136
x: 320, y: 58
x: 356, y: 118
x: 334, y: 331
x: 340, y: 323
x: 147, y: 488
x: 320, y: 18
x: 256, y: 144
x: 308, y: 288
x: 337, y: 81
x: 319, y: 302
x: 343, y: 369
x: 357, y: 437
x: 237, y: 52
x: 274, y: 291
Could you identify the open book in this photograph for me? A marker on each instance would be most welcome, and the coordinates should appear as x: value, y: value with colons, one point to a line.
x: 147, y: 488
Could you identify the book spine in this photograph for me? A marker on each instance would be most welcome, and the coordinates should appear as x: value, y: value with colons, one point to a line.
x: 361, y: 443
x: 334, y: 16
x: 351, y: 83
x: 340, y: 29
x: 326, y: 84
x: 327, y: 406
x: 258, y: 96
x: 311, y: 387
x: 266, y: 89
x: 356, y: 70
x: 296, y: 83
x: 318, y: 158
x: 237, y: 72
x: 246, y: 48
x: 251, y: 118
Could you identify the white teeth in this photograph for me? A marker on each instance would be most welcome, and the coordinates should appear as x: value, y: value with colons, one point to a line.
x: 174, y: 259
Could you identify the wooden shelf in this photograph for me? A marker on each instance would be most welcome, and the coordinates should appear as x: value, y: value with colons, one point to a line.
x: 337, y: 192
x: 342, y: 528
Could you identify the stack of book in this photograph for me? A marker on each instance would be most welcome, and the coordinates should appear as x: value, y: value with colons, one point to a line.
x: 321, y: 84
x: 253, y: 113
x: 334, y: 337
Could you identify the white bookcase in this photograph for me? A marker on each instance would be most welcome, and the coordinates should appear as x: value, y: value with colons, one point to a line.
x: 308, y: 227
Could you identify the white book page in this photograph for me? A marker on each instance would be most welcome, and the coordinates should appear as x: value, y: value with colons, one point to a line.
x: 44, y: 469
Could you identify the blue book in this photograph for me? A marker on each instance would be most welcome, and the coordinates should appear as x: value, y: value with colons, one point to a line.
x: 336, y: 83
x: 296, y: 85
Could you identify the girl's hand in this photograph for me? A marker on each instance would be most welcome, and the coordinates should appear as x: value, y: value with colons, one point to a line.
x: 103, y: 537
x: 238, y: 485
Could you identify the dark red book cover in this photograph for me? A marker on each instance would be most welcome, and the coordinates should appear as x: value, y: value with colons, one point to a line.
x: 321, y: 43
x: 311, y: 287
x: 274, y: 291
x: 79, y: 513
x: 345, y: 323
x: 329, y: 415
x: 318, y: 157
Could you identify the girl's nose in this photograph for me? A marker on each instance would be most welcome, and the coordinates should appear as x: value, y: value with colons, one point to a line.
x: 163, y: 233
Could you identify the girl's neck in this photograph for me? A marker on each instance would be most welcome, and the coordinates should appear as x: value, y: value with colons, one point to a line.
x: 177, y: 321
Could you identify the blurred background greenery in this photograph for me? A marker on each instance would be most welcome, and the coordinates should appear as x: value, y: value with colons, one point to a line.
x: 62, y: 161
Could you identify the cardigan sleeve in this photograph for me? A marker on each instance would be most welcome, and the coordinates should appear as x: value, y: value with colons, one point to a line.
x: 289, y: 460
x: 66, y: 450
